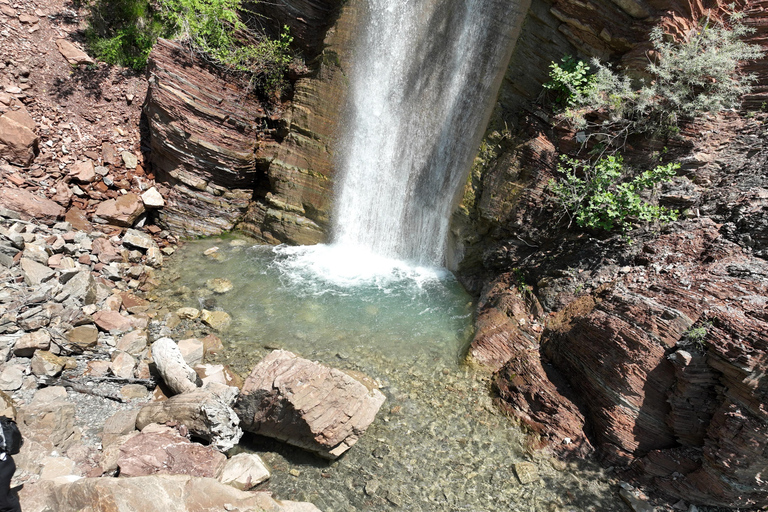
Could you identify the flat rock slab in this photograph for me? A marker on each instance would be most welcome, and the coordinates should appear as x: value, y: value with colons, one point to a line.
x: 165, y: 452
x: 169, y: 493
x: 306, y: 404
x: 112, y: 321
x: 30, y: 206
x: 73, y: 54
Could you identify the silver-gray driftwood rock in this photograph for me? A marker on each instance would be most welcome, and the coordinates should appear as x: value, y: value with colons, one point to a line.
x: 176, y: 373
x: 206, y: 412
x: 306, y: 404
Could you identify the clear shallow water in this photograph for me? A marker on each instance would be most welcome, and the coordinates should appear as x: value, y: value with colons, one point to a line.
x: 438, y: 443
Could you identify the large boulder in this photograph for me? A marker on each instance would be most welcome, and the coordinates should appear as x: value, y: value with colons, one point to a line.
x: 169, y: 493
x: 18, y: 144
x: 206, y: 412
x: 306, y: 404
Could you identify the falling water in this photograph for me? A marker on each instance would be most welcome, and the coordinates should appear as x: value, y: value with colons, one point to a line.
x: 425, y: 77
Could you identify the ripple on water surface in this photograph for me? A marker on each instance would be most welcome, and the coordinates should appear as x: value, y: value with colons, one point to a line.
x: 438, y: 443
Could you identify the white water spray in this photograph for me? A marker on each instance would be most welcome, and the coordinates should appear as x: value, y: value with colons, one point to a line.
x: 425, y: 77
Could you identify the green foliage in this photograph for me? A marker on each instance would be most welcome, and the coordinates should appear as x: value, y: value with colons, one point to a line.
x: 597, y: 198
x: 570, y: 80
x: 689, y: 78
x: 522, y: 286
x: 123, y: 32
x: 267, y: 62
x: 696, y: 335
x: 209, y: 25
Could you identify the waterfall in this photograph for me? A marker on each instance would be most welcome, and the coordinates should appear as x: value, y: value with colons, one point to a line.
x: 424, y: 80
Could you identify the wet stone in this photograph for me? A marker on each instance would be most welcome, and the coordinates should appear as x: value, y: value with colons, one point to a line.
x: 526, y: 472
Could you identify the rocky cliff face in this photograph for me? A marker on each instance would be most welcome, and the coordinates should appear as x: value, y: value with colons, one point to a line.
x: 229, y: 160
x: 295, y: 206
x: 649, y: 353
x: 203, y: 135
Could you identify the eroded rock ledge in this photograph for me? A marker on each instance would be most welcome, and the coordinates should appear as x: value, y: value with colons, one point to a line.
x: 203, y: 138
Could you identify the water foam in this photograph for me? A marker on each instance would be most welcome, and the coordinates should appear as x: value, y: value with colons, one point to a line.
x: 337, y: 268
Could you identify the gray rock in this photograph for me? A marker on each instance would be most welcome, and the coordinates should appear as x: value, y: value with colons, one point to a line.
x: 80, y: 287
x: 206, y: 412
x: 36, y: 252
x: 135, y: 238
x: 34, y: 272
x: 176, y: 373
x: 12, y: 377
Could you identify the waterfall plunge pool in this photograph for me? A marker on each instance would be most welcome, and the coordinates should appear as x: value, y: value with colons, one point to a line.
x: 438, y: 443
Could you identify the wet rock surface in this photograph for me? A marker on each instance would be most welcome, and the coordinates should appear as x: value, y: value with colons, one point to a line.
x: 634, y: 349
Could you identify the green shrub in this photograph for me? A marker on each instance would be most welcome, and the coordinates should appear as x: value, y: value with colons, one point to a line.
x: 123, y: 32
x: 689, y: 78
x: 569, y: 81
x: 595, y: 196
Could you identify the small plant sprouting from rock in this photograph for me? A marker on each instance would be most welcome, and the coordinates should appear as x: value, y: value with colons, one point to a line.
x: 695, y: 336
x: 570, y: 80
x: 600, y: 196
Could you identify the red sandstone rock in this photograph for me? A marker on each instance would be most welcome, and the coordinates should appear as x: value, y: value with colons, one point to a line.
x: 106, y: 252
x: 112, y: 321
x: 18, y: 144
x: 22, y: 117
x: 73, y: 54
x: 689, y: 416
x: 165, y: 452
x: 306, y: 404
x: 29, y: 205
x: 123, y: 211
x: 77, y: 218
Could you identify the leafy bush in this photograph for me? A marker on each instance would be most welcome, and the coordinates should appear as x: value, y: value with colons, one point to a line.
x: 690, y: 77
x: 597, y: 198
x: 570, y: 80
x: 123, y: 32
